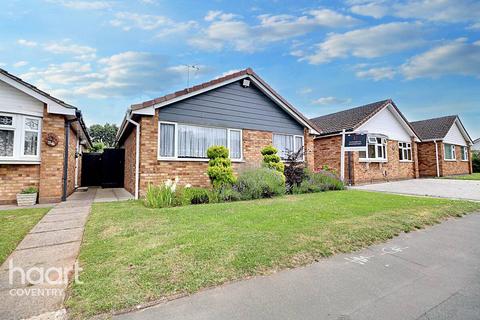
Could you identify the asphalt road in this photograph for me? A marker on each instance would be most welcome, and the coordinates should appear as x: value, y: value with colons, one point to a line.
x: 427, y: 274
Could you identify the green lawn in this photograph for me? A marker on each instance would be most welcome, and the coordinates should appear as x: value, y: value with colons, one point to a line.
x: 132, y: 254
x: 473, y: 176
x: 14, y: 225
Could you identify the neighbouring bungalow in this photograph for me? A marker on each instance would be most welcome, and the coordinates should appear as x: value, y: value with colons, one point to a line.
x: 476, y: 145
x: 41, y: 139
x: 391, y: 144
x: 169, y: 136
x: 445, y: 147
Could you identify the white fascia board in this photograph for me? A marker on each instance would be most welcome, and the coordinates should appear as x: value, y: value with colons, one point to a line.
x: 148, y: 111
x: 397, y: 116
x: 52, y: 106
x: 221, y: 84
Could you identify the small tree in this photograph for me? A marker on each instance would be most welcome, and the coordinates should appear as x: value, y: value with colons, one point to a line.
x: 220, y: 169
x: 476, y: 161
x: 271, y: 159
x: 97, y: 147
x: 294, y: 170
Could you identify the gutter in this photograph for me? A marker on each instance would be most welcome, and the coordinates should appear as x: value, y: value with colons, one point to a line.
x: 137, y: 152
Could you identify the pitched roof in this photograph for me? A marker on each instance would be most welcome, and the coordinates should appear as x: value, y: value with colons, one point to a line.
x: 78, y: 113
x: 350, y: 119
x: 436, y: 128
x: 212, y: 84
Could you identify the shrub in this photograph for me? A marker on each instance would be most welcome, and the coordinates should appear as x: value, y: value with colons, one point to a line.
x: 260, y: 183
x: 196, y: 196
x: 317, y: 182
x: 226, y: 194
x: 271, y: 159
x: 220, y: 169
x: 162, y: 196
x: 29, y: 190
x: 476, y: 162
x: 294, y: 170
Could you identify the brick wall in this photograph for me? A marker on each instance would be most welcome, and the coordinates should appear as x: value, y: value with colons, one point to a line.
x: 309, y: 150
x: 192, y: 172
x: 328, y: 151
x: 51, y: 168
x: 456, y: 167
x: 72, y: 148
x: 130, y: 152
x: 16, y: 177
x: 427, y: 162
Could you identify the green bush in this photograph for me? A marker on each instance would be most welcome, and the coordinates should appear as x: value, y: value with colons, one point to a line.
x: 196, y: 196
x: 220, y: 169
x: 260, y: 183
x: 318, y: 182
x: 226, y: 194
x: 271, y: 159
x: 160, y: 196
x: 29, y: 190
x: 476, y: 161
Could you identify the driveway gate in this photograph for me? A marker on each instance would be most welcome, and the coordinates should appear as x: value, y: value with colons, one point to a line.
x: 103, y: 169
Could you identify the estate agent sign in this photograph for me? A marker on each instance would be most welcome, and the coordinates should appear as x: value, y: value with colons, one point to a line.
x: 355, y: 142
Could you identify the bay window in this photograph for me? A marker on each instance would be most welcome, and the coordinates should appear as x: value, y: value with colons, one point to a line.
x: 405, y: 151
x: 464, y: 153
x: 449, y: 151
x: 376, y: 150
x: 183, y: 141
x: 19, y: 137
x: 287, y: 144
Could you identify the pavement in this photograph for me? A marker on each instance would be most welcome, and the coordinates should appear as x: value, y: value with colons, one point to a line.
x: 443, y: 188
x: 112, y: 194
x: 426, y: 275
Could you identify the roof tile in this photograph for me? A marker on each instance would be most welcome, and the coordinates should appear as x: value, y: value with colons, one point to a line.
x: 436, y: 128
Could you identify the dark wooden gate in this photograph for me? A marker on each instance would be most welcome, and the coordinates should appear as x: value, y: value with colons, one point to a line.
x: 103, y: 169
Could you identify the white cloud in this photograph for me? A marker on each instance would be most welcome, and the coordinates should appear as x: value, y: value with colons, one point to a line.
x: 66, y: 46
x: 449, y: 11
x: 330, y: 101
x: 226, y: 29
x: 127, y: 74
x: 377, y: 74
x: 83, y: 5
x: 164, y: 25
x: 370, y: 42
x: 19, y: 64
x: 305, y: 91
x: 26, y: 43
x: 456, y: 57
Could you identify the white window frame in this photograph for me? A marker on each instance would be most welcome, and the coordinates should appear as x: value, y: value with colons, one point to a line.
x: 464, y: 154
x: 404, y: 150
x: 175, y: 147
x: 376, y: 159
x: 294, y: 143
x: 18, y: 128
x: 453, y: 152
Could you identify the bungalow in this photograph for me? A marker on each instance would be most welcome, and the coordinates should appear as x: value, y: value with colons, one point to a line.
x: 445, y: 147
x: 476, y: 145
x: 389, y: 151
x: 41, y: 139
x: 168, y: 137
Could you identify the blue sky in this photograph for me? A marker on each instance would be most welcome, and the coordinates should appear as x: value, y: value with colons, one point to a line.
x: 322, y: 56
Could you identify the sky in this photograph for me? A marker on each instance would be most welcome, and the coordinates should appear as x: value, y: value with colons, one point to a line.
x: 322, y: 56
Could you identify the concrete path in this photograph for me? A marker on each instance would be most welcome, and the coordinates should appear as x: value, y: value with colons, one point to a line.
x: 112, y: 194
x: 443, y: 188
x: 53, y: 243
x: 427, y: 274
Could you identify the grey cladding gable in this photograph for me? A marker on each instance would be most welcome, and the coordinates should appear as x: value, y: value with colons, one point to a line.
x: 232, y: 106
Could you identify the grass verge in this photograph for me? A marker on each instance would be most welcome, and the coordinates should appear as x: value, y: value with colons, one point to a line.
x: 132, y: 254
x: 473, y: 176
x: 14, y: 225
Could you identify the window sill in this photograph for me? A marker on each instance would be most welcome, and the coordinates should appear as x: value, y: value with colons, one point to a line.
x: 372, y: 160
x: 406, y: 161
x: 450, y: 160
x: 465, y: 160
x: 193, y: 160
x: 16, y: 161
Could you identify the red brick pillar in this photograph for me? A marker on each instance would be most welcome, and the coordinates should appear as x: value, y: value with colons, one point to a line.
x: 309, y: 150
x: 416, y: 170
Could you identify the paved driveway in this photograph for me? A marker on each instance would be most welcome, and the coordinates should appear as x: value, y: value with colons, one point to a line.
x: 444, y: 188
x: 428, y: 274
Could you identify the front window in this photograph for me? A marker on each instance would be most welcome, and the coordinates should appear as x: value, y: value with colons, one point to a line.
x: 449, y: 150
x: 19, y: 137
x: 287, y: 144
x: 464, y: 153
x: 376, y: 149
x: 405, y: 151
x: 184, y: 141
